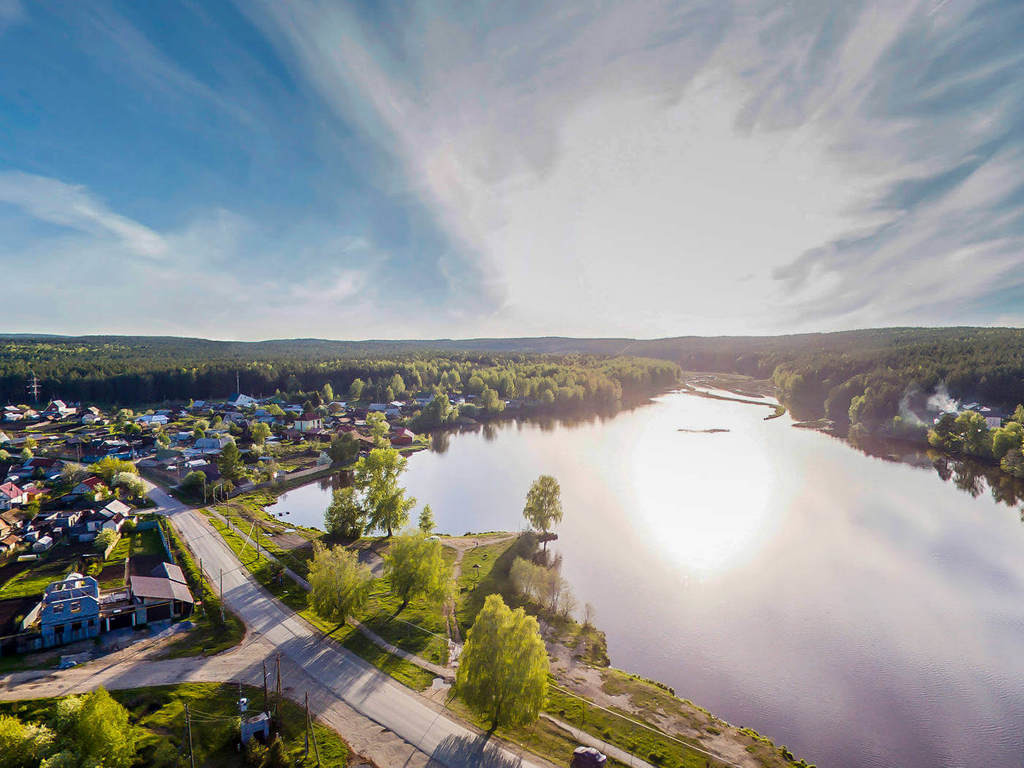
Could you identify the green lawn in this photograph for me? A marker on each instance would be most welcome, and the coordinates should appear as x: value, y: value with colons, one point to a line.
x: 158, y: 713
x: 37, y: 574
x: 292, y: 595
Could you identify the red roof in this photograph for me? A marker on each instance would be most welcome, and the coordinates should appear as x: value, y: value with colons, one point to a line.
x: 91, y: 482
x: 10, y: 490
x: 309, y: 417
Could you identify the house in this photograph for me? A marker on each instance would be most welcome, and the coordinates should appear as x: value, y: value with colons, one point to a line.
x: 402, y: 436
x: 211, y: 444
x: 309, y: 422
x: 157, y: 419
x: 58, y: 409
x: 10, y: 496
x: 9, y: 544
x: 242, y: 401
x: 4, y: 437
x: 43, y: 543
x: 116, y: 507
x: 91, y: 415
x: 162, y: 594
x: 69, y: 611
x: 89, y: 485
x: 31, y: 492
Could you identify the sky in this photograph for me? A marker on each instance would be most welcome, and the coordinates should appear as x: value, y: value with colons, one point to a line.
x: 271, y: 169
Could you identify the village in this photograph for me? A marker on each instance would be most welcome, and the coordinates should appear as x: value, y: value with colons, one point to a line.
x: 79, y: 554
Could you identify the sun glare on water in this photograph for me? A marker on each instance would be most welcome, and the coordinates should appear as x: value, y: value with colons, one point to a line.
x: 714, y: 513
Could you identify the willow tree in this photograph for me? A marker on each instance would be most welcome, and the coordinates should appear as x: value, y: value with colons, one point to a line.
x: 503, y: 668
x: 544, y: 504
x: 376, y: 476
x: 415, y: 566
x: 339, y: 584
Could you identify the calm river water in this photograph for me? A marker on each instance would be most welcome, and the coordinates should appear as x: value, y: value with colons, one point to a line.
x: 862, y: 612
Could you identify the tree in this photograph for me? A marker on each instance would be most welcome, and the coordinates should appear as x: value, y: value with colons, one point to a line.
x: 344, y: 449
x: 131, y: 483
x: 23, y: 745
x: 109, y: 466
x: 1006, y: 437
x: 355, y: 389
x: 230, y: 463
x: 415, y: 566
x: 102, y: 733
x: 544, y: 504
x: 72, y: 473
x: 327, y: 392
x: 1013, y: 462
x: 490, y: 401
x: 275, y: 410
x: 475, y: 385
x: 426, y: 523
x: 503, y: 668
x: 259, y: 432
x: 193, y: 483
x: 339, y: 584
x: 379, y: 427
x: 385, y: 502
x: 345, y: 515
x: 105, y: 538
x: 26, y: 454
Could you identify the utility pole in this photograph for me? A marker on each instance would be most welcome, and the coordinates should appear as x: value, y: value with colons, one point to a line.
x: 266, y: 706
x: 222, y: 594
x: 277, y: 703
x: 188, y: 727
x: 305, y: 754
x: 309, y: 724
x: 33, y: 387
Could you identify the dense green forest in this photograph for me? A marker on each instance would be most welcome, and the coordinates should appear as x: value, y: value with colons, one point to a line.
x: 862, y: 378
x: 857, y: 378
x: 136, y: 370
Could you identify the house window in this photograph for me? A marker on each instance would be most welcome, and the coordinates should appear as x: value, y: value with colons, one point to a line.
x: 58, y: 609
x: 76, y: 606
x: 75, y: 626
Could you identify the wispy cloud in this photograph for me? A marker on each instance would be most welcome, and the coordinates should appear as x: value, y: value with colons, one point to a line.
x: 639, y: 168
x: 71, y: 206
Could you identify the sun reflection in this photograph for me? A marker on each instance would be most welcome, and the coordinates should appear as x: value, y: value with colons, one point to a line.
x: 714, y: 513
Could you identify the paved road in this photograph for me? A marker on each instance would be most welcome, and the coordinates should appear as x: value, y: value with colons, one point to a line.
x: 358, y: 684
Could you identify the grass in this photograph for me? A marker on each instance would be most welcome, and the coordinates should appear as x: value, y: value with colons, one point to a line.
x: 37, y: 574
x: 293, y: 596
x: 158, y: 713
x: 491, y: 577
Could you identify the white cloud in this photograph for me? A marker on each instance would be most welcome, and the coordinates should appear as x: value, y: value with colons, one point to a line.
x: 71, y: 206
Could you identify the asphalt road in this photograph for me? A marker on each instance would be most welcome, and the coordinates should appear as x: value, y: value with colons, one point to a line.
x: 356, y: 683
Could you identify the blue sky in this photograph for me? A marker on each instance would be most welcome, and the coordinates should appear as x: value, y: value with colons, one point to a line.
x: 343, y: 170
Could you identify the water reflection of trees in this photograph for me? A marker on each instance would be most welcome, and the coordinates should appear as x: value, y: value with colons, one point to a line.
x: 334, y: 481
x: 970, y: 476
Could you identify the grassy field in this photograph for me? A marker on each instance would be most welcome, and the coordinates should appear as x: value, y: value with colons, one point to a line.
x: 292, y: 595
x: 158, y: 714
x: 32, y: 577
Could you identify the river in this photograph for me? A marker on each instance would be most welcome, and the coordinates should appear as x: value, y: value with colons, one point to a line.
x: 861, y: 611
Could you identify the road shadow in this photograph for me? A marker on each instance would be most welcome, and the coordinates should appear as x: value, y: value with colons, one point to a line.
x: 471, y: 752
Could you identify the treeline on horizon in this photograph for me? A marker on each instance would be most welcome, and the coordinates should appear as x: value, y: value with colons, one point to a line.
x: 142, y: 370
x: 871, y: 379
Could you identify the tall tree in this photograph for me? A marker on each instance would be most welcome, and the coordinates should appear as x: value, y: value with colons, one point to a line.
x: 503, y: 668
x: 230, y: 463
x: 415, y: 566
x: 344, y: 449
x: 544, y: 504
x: 102, y: 732
x: 355, y: 389
x: 345, y: 515
x: 376, y: 476
x: 339, y: 584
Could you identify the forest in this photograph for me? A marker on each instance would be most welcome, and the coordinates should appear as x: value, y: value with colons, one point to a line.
x: 131, y: 371
x: 870, y: 379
